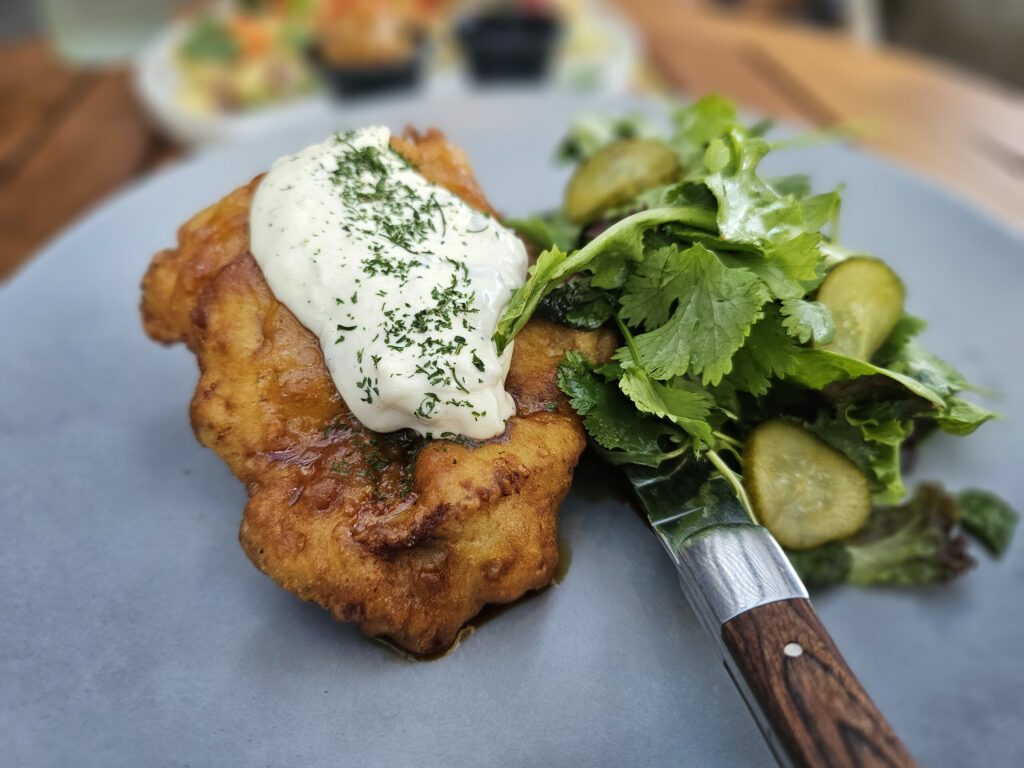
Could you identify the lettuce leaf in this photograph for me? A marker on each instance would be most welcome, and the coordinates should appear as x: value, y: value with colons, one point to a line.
x: 607, y: 257
x: 988, y: 518
x: 916, y: 543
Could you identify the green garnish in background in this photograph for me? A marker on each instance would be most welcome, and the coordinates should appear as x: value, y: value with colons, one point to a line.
x: 710, y: 281
x: 209, y: 39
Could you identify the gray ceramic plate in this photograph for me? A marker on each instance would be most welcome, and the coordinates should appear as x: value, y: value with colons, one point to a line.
x: 133, y: 631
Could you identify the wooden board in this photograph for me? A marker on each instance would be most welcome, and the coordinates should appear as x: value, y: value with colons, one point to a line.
x: 962, y: 131
x: 67, y: 139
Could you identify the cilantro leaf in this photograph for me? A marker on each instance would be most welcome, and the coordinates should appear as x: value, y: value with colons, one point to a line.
x: 768, y: 353
x: 806, y: 320
x: 610, y: 419
x: 687, y: 407
x: 789, y: 269
x: 654, y: 288
x: 716, y: 308
x: 792, y: 267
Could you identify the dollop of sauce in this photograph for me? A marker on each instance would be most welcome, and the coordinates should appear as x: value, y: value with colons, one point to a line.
x: 401, y: 280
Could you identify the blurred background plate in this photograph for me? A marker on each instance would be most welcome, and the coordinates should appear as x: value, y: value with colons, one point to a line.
x: 598, y: 52
x: 135, y: 631
x: 158, y: 85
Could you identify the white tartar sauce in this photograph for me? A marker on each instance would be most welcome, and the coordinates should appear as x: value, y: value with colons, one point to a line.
x: 400, y: 279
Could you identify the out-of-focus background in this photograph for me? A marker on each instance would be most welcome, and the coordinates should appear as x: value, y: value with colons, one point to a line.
x: 95, y: 93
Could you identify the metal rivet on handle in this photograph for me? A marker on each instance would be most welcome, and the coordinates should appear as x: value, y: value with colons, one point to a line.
x: 793, y: 650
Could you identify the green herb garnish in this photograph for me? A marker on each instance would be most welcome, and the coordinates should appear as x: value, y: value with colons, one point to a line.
x: 711, y: 281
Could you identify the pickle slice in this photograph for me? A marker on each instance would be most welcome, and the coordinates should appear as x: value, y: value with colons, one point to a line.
x: 865, y: 298
x: 803, y: 491
x: 615, y: 173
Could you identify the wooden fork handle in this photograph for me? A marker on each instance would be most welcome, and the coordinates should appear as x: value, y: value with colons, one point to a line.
x: 813, y: 703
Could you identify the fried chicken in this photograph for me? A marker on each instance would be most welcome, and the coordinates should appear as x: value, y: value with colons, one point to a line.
x: 409, y: 538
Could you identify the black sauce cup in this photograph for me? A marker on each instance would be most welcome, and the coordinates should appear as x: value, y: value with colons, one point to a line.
x: 509, y: 46
x: 354, y: 80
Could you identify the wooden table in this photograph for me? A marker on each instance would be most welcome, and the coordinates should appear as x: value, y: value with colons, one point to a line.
x: 962, y: 131
x: 69, y: 138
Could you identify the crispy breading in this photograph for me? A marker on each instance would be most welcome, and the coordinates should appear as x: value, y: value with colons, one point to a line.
x: 409, y: 538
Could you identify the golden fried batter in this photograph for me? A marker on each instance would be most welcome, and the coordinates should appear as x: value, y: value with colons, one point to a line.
x: 408, y: 538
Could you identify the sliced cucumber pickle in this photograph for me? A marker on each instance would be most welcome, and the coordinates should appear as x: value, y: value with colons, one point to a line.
x: 803, y: 491
x: 617, y: 172
x: 865, y: 298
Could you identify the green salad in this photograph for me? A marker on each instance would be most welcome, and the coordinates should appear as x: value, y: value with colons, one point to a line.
x: 771, y: 369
